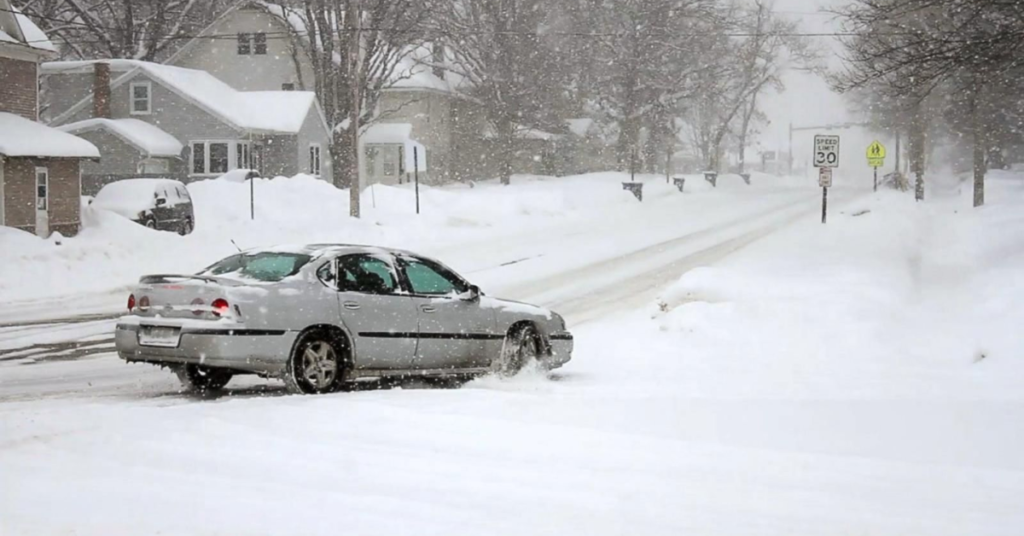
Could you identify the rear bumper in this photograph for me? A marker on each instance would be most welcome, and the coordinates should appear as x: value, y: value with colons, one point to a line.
x: 259, y: 351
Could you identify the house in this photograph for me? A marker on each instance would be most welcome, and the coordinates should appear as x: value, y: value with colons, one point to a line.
x: 156, y: 120
x: 441, y: 120
x: 40, y: 185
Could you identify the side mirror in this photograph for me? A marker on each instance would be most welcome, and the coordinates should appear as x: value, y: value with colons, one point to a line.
x: 473, y: 294
x: 161, y: 201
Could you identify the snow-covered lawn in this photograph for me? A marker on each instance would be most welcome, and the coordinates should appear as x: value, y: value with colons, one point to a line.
x: 859, y: 378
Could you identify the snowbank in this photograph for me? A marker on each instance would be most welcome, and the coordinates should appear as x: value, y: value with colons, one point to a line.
x: 111, y: 253
x: 906, y: 299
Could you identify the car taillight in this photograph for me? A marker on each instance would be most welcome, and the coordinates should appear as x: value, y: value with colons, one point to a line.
x: 131, y: 302
x: 144, y: 303
x: 220, y: 307
x: 197, y: 306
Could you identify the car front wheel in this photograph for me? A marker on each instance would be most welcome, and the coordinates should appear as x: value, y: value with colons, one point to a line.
x: 521, y: 347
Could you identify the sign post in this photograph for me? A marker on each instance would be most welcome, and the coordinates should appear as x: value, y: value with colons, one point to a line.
x: 876, y: 158
x: 416, y: 174
x: 826, y: 157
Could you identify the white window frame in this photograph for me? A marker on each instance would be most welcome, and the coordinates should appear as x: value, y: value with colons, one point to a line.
x: 315, y: 164
x: 247, y: 41
x: 46, y: 173
x: 132, y: 99
x: 232, y: 158
x: 255, y: 42
x: 242, y: 155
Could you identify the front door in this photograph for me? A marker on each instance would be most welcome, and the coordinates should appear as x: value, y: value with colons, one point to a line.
x: 380, y: 318
x: 453, y: 332
x: 42, y: 202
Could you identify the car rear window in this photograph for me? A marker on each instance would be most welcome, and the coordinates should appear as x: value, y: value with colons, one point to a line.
x: 266, y: 266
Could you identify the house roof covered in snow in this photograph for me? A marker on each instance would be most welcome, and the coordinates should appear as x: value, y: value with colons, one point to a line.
x: 523, y: 133
x: 22, y: 137
x: 148, y: 138
x: 281, y: 112
x: 18, y: 29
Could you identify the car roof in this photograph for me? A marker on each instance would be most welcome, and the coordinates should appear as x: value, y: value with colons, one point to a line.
x: 327, y: 249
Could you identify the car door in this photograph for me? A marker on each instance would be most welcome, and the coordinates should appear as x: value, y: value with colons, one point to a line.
x: 453, y: 331
x: 163, y: 211
x: 381, y: 319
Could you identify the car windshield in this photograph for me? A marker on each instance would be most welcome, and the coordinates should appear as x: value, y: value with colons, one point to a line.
x: 264, y: 266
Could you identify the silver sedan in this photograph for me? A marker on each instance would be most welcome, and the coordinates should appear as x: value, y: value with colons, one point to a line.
x: 319, y: 316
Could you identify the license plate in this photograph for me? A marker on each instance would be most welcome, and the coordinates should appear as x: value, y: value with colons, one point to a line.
x: 161, y: 336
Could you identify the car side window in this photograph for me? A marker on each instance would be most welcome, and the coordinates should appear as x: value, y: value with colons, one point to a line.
x: 366, y: 274
x: 430, y: 279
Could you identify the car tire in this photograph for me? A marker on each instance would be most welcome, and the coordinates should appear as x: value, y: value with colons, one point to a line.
x: 317, y: 364
x: 186, y: 227
x: 150, y: 223
x: 522, y: 345
x: 199, y: 379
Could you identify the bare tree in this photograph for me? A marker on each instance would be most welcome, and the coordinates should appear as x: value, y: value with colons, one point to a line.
x: 498, y: 48
x: 134, y: 29
x: 354, y: 56
x: 909, y: 48
x: 758, y: 54
x: 647, y: 58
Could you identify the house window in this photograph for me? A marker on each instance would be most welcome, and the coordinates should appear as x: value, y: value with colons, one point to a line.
x: 389, y: 162
x: 218, y: 158
x: 245, y: 44
x: 211, y: 157
x: 314, y: 159
x: 141, y: 98
x: 288, y: 86
x: 243, y: 158
x: 154, y: 166
x: 42, y: 188
x: 260, y: 44
x: 199, y: 158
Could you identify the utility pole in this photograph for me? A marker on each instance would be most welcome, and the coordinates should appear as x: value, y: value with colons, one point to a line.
x: 353, y: 22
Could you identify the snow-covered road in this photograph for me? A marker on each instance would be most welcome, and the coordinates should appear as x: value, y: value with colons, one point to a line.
x: 622, y: 269
x: 796, y: 379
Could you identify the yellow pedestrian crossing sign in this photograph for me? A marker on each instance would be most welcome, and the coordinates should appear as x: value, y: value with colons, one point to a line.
x: 876, y: 154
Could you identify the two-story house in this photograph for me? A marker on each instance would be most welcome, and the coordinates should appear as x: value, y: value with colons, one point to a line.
x: 426, y: 102
x: 40, y: 185
x: 155, y: 120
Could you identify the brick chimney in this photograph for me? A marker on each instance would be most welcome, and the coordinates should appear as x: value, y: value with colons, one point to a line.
x: 101, y: 90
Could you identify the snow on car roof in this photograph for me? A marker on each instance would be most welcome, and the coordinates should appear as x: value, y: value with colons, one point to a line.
x: 145, y: 136
x: 22, y: 137
x: 129, y: 197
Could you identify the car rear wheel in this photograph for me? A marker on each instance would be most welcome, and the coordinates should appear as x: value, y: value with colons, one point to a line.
x: 521, y: 347
x: 202, y: 379
x: 316, y: 365
x: 185, y: 228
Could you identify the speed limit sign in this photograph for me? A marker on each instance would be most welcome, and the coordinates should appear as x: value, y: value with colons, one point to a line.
x: 826, y: 151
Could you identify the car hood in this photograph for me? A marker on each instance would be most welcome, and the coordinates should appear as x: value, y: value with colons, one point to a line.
x: 511, y: 306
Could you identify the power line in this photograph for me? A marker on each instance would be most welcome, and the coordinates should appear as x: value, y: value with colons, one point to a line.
x: 284, y: 35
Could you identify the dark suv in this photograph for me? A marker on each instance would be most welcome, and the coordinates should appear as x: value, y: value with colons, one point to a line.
x: 161, y: 204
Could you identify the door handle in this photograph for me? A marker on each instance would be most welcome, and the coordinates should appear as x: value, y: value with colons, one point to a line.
x: 351, y: 305
x: 427, y: 308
